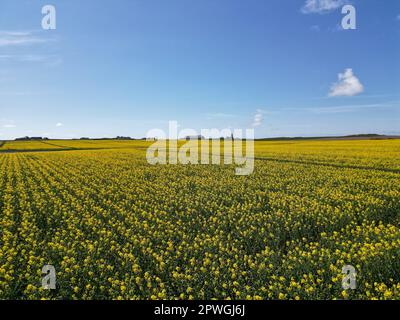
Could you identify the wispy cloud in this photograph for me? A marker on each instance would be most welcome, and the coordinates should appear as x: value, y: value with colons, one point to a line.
x: 220, y: 115
x: 258, y: 118
x: 322, y: 6
x: 17, y: 38
x: 59, y: 124
x: 26, y: 58
x: 15, y: 93
x: 47, y: 60
x: 8, y: 124
x: 398, y: 17
x: 348, y: 85
x: 352, y: 108
x: 15, y: 33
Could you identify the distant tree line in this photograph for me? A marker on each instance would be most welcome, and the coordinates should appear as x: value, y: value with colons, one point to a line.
x: 116, y: 138
x: 31, y: 138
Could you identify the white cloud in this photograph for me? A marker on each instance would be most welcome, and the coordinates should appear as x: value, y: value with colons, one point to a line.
x: 14, y: 38
x: 348, y: 85
x: 59, y: 124
x: 9, y: 126
x: 258, y: 118
x: 322, y: 6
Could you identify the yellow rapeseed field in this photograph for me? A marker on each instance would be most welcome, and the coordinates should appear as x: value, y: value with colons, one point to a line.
x: 115, y: 227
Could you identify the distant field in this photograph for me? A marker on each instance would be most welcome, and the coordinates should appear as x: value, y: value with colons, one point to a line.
x: 367, y: 153
x: 46, y: 145
x: 383, y: 154
x: 116, y: 227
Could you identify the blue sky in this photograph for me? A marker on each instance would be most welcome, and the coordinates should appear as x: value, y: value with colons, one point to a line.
x: 124, y: 67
